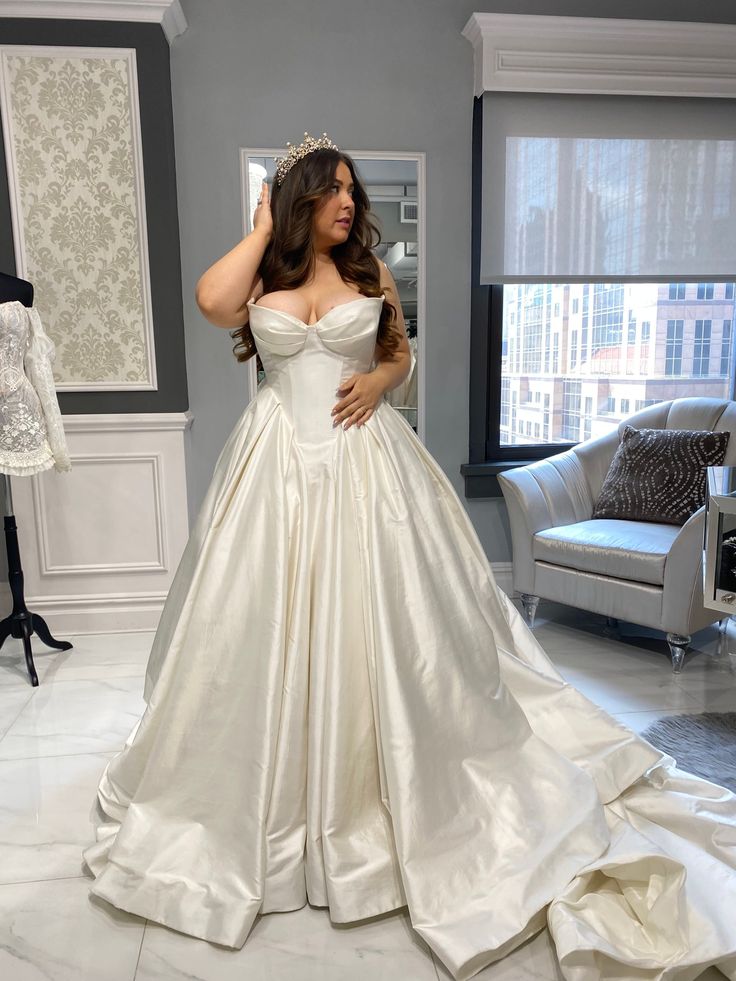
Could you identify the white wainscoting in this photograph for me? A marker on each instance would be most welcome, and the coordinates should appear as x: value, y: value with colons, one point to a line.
x: 100, y: 544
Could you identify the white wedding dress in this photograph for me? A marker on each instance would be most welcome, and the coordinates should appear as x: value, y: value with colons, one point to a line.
x: 343, y: 708
x: 32, y: 435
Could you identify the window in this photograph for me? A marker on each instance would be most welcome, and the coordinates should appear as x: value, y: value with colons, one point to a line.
x: 530, y: 340
x: 587, y: 415
x: 725, y: 348
x: 569, y: 256
x: 617, y: 313
x: 673, y: 349
x: 571, y: 410
x: 505, y: 391
x: 701, y: 348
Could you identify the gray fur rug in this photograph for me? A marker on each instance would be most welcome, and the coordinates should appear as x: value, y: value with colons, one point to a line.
x: 702, y: 744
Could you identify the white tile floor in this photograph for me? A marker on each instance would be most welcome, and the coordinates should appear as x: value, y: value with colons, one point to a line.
x: 55, y: 740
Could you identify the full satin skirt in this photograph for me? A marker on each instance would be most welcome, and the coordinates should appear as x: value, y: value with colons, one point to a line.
x: 343, y: 708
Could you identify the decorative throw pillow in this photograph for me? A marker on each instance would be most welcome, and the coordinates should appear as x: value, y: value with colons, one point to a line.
x: 659, y: 474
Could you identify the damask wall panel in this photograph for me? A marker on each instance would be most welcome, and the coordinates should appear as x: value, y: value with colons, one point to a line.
x: 75, y: 174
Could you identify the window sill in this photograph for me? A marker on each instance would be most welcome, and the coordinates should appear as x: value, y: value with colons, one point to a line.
x: 481, y: 478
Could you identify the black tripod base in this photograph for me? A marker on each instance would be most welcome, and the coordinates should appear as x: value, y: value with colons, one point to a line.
x: 22, y: 623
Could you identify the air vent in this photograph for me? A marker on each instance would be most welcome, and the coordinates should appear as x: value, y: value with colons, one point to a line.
x: 409, y: 211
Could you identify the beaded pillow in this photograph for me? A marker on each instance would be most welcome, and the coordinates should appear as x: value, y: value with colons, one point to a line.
x: 659, y: 474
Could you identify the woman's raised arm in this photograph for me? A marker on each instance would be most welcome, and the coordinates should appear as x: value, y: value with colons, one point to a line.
x: 223, y: 291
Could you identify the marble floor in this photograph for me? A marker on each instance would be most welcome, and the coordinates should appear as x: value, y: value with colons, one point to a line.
x: 56, y: 739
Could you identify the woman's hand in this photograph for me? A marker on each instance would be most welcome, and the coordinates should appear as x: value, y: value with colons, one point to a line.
x: 365, y: 391
x: 262, y: 217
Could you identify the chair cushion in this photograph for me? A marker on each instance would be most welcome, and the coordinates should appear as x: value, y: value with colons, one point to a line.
x: 634, y: 550
x: 659, y: 474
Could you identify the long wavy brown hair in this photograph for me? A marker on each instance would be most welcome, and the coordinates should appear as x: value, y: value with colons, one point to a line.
x: 288, y: 260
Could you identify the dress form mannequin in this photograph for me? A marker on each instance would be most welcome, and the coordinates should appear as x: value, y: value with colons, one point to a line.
x: 21, y: 623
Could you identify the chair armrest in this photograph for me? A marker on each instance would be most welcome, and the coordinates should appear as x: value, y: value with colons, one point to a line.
x: 541, y: 495
x: 683, y: 575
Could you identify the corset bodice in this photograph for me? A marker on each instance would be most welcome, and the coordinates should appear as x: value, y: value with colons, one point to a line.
x: 305, y: 363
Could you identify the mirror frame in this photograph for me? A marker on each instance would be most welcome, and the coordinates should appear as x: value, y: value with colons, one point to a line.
x: 419, y: 157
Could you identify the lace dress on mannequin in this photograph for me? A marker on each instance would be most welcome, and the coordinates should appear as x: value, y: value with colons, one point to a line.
x: 31, y: 432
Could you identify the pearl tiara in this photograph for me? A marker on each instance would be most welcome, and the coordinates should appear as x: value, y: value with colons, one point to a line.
x: 284, y: 164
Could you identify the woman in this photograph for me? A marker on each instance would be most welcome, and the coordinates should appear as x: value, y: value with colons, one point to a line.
x: 344, y: 709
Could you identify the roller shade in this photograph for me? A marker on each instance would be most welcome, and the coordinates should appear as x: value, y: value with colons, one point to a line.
x: 585, y: 188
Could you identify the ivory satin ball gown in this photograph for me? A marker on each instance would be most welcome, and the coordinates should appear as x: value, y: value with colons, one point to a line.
x: 343, y: 708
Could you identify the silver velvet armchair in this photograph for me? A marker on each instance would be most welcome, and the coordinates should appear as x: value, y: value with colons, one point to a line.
x: 638, y: 571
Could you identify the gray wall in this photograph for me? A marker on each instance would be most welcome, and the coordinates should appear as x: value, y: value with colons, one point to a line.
x: 388, y: 74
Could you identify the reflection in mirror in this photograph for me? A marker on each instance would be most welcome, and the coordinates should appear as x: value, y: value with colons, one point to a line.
x: 394, y: 184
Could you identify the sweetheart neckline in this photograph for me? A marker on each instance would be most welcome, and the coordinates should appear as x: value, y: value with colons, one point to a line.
x: 303, y: 323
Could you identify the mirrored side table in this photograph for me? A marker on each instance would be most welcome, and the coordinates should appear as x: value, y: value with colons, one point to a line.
x: 719, y: 540
x: 719, y: 547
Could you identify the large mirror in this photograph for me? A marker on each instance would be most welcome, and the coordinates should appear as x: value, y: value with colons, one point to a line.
x: 394, y: 182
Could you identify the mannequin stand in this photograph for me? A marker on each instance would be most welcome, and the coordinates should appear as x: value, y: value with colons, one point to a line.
x: 21, y: 622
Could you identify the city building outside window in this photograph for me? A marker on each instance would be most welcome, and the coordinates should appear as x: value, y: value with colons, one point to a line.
x: 622, y: 346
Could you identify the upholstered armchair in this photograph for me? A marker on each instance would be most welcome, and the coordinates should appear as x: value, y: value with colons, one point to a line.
x: 638, y: 571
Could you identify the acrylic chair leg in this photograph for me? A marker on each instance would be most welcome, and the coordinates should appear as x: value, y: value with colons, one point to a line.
x: 530, y: 604
x: 724, y: 641
x: 611, y: 627
x: 678, y: 644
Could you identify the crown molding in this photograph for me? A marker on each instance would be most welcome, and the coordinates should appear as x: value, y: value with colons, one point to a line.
x: 603, y: 56
x: 167, y: 13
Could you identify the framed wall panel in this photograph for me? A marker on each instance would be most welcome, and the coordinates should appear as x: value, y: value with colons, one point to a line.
x: 74, y: 159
